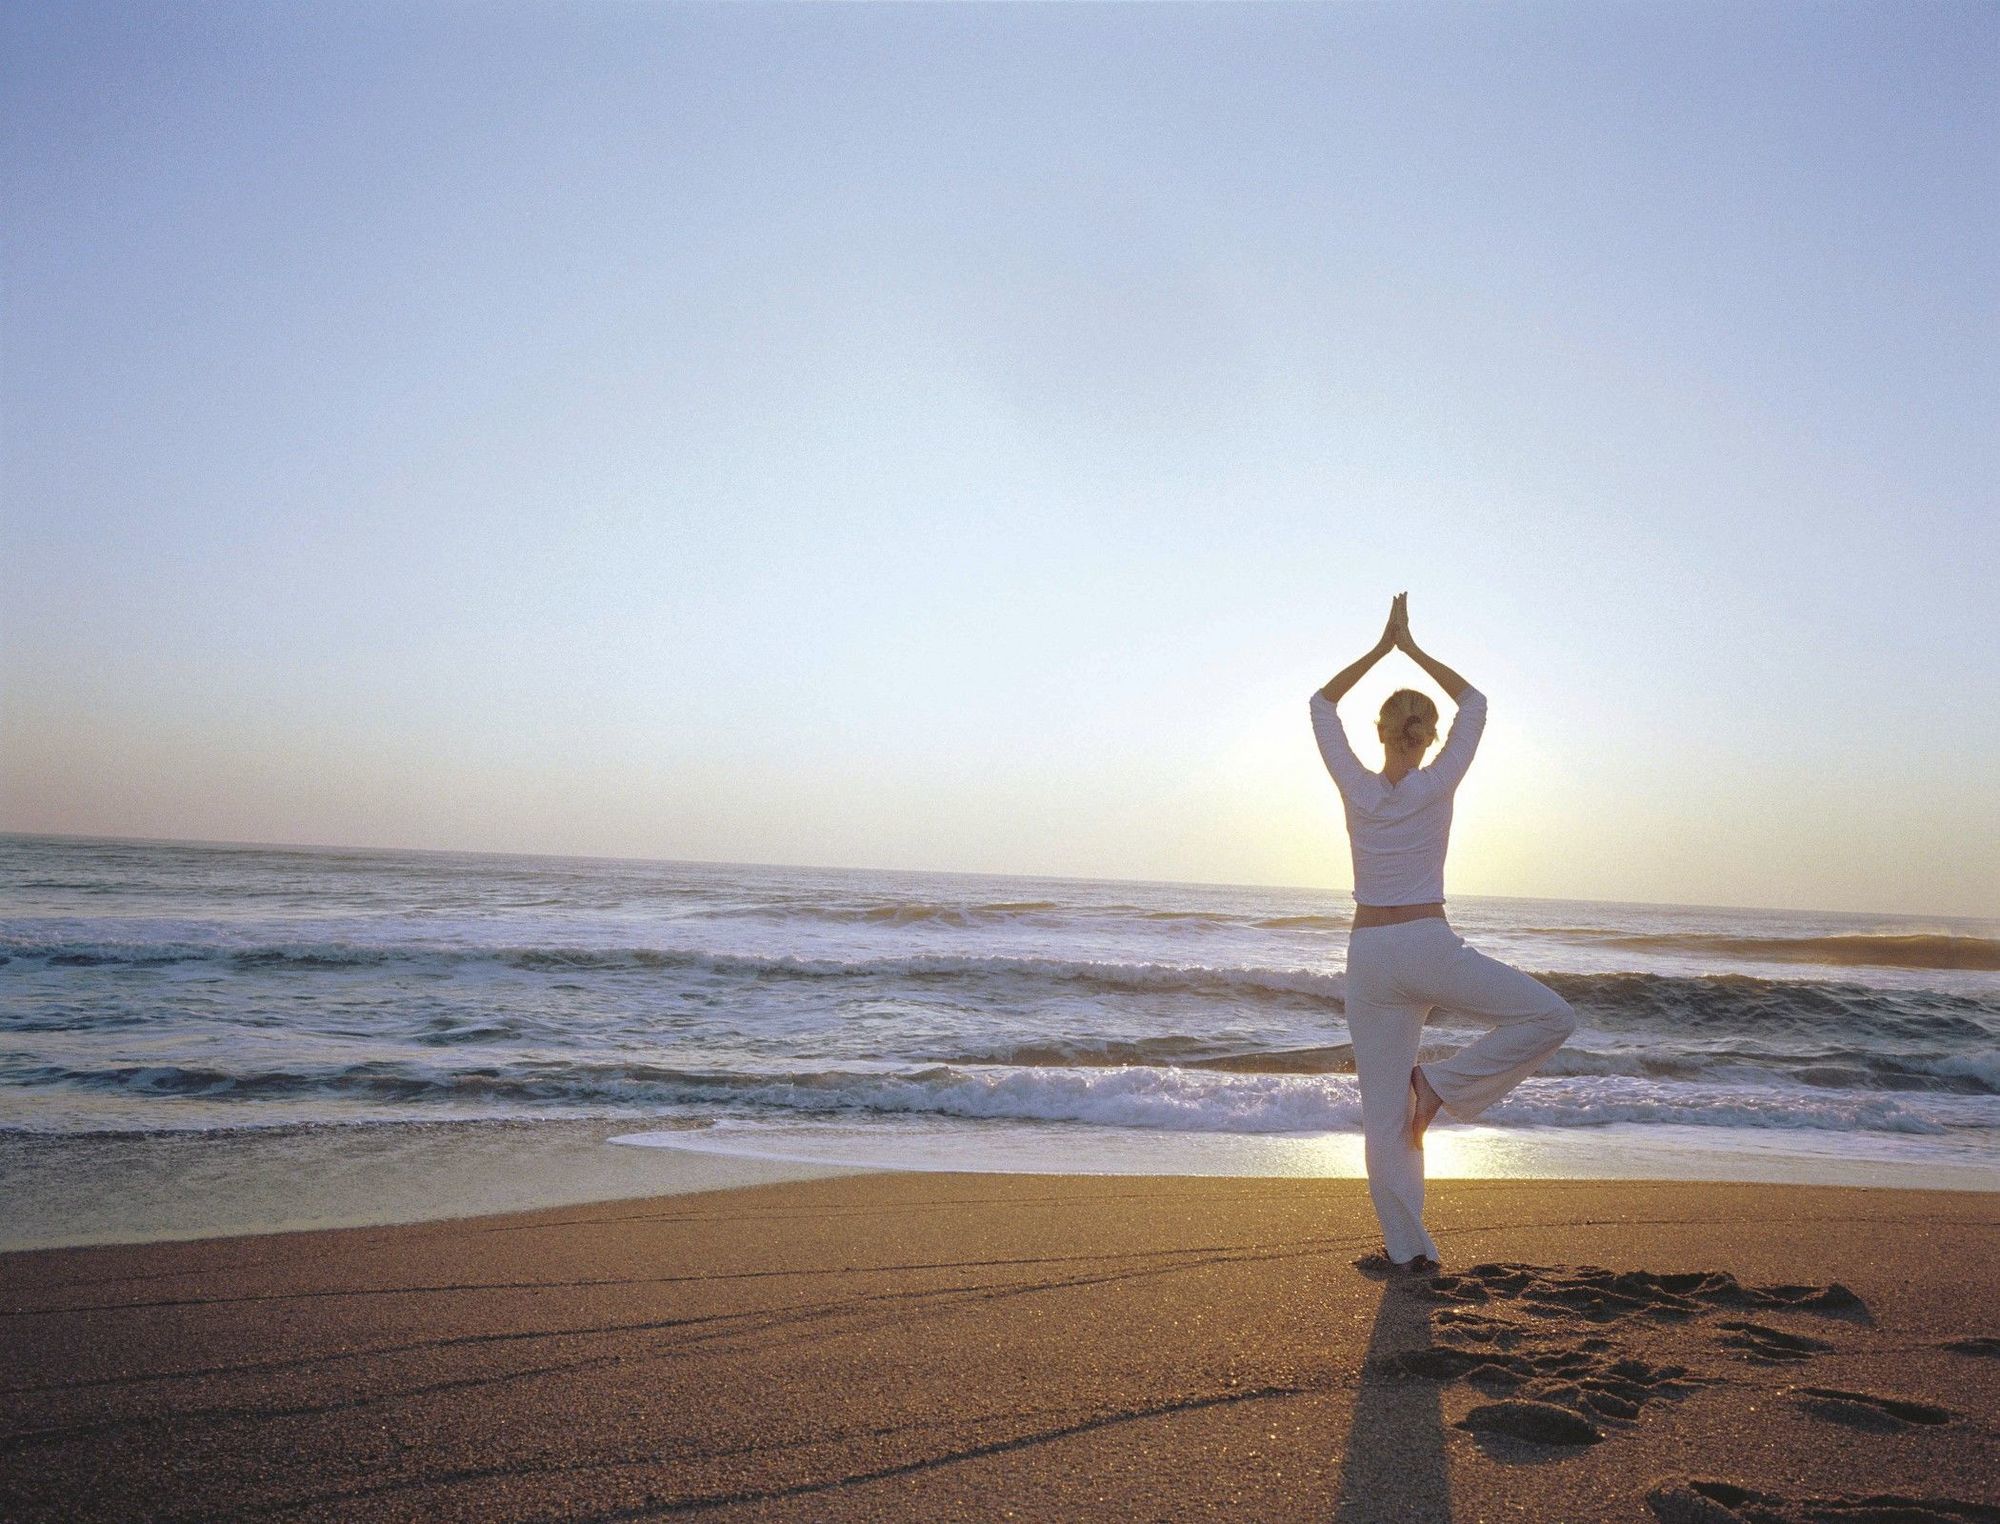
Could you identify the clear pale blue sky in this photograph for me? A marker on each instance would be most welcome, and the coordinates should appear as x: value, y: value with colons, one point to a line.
x: 962, y: 437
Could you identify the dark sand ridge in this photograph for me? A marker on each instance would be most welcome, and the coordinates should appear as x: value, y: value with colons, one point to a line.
x: 981, y: 1346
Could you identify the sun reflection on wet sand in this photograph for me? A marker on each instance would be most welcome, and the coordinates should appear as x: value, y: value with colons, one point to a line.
x: 1452, y: 1151
x: 1469, y: 1153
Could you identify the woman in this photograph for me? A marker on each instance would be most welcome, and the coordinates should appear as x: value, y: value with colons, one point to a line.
x: 1403, y: 958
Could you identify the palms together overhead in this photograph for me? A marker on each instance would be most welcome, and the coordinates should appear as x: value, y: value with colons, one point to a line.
x: 1397, y: 631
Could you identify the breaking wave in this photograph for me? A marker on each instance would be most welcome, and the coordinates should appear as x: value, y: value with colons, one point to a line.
x: 1675, y: 1005
x: 1825, y: 1068
x: 1177, y: 1099
x: 1872, y: 950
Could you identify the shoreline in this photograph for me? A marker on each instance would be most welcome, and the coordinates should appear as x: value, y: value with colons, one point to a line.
x: 71, y: 1190
x: 96, y: 1189
x: 956, y: 1346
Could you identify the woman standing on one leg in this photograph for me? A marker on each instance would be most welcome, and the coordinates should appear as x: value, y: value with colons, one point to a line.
x: 1403, y: 958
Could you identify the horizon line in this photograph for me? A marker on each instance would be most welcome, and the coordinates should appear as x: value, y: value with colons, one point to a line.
x: 1167, y: 883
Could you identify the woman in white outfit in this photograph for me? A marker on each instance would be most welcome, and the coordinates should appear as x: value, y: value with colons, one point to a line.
x: 1403, y: 958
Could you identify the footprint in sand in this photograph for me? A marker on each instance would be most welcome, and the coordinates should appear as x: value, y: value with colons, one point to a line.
x: 1983, y: 1345
x: 1600, y: 1295
x: 1468, y: 1327
x: 1559, y: 1377
x: 1543, y: 1422
x: 1691, y: 1500
x: 1766, y: 1344
x: 1868, y: 1410
x: 1549, y: 1389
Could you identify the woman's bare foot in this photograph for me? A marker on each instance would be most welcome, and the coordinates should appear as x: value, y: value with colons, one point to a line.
x: 1428, y: 1102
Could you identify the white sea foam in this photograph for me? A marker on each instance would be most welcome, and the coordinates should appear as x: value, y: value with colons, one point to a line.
x: 1982, y: 1067
x: 1176, y: 1099
x: 148, y: 985
x: 1157, y: 976
x: 1205, y: 1101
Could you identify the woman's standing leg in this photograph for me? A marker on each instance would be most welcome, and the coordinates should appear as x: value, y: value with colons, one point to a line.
x: 1385, y: 1028
x: 1530, y: 1021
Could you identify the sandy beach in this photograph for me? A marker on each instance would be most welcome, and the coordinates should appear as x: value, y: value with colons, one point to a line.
x: 973, y: 1347
x: 811, y: 762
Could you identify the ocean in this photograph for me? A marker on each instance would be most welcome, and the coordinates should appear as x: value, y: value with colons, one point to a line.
x: 848, y: 1018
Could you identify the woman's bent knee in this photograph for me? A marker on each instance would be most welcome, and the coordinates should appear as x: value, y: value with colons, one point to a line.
x: 1561, y: 1020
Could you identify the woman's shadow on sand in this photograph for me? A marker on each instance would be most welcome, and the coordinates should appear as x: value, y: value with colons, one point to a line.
x: 1394, y: 1467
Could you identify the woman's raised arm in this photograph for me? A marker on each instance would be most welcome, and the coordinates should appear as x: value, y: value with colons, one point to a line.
x: 1467, y: 725
x: 1338, y: 685
x: 1443, y: 676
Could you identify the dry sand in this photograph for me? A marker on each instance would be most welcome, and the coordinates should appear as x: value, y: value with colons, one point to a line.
x: 993, y: 1347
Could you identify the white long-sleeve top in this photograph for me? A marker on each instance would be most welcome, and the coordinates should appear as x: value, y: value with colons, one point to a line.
x: 1399, y: 831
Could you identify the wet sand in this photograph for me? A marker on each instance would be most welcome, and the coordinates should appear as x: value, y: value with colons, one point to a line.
x: 1030, y: 1347
x: 92, y: 1188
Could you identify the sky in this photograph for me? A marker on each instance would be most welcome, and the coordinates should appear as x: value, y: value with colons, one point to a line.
x: 962, y: 437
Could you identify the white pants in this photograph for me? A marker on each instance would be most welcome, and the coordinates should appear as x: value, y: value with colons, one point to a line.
x: 1396, y: 976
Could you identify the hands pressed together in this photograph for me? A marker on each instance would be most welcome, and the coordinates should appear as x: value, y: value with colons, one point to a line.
x: 1396, y: 633
x: 1396, y: 636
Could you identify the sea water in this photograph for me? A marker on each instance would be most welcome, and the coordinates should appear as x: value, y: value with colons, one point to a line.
x: 848, y: 1017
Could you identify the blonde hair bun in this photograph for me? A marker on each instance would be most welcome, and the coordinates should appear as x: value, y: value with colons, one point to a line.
x: 1410, y: 716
